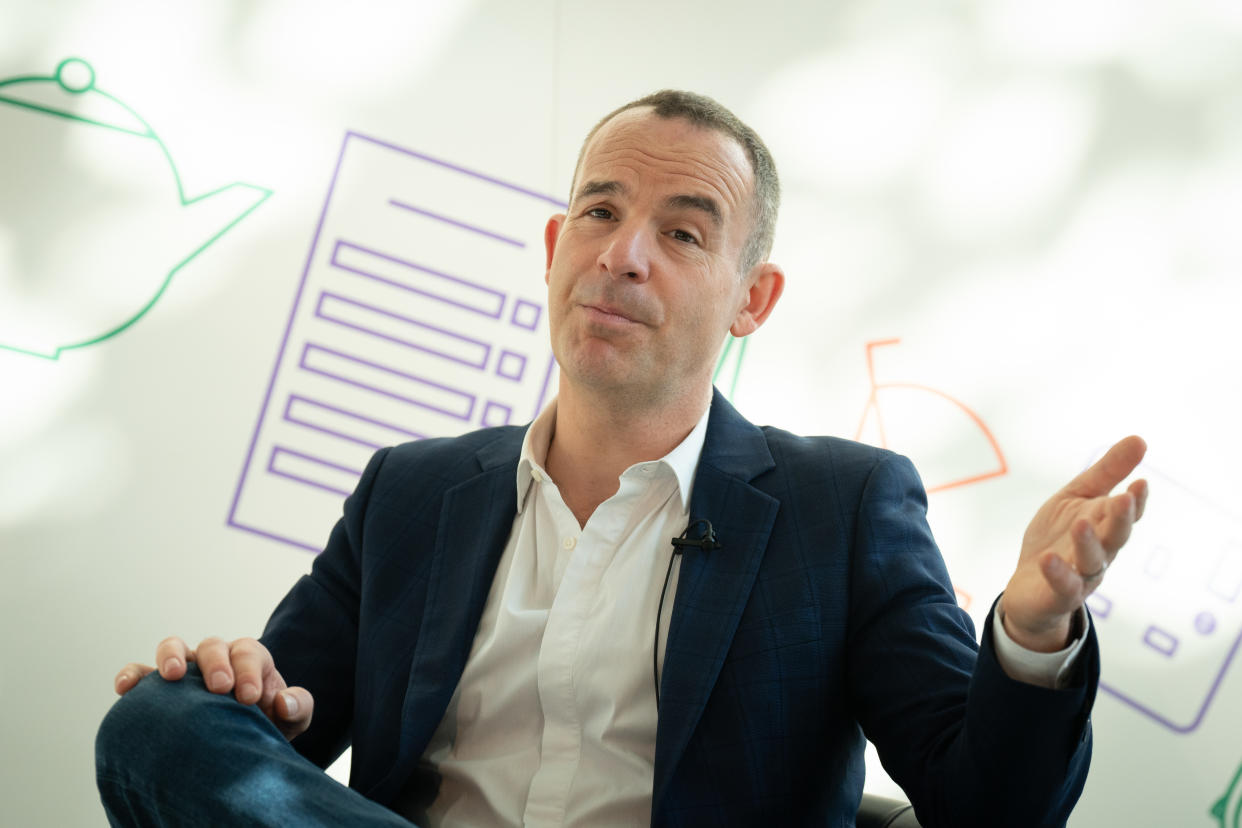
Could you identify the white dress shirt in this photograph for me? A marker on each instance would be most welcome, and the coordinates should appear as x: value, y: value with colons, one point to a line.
x: 554, y: 719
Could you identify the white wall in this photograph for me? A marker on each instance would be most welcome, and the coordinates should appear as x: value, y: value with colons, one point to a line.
x: 1040, y: 199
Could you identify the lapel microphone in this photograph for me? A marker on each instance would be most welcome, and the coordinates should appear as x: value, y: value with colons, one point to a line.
x: 706, y: 540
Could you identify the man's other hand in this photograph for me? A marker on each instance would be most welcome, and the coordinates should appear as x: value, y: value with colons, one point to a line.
x: 243, y: 667
x: 1068, y: 546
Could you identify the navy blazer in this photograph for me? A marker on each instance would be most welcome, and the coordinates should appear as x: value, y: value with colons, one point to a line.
x: 826, y: 615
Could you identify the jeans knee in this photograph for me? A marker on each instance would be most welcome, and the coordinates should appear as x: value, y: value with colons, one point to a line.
x: 151, y: 723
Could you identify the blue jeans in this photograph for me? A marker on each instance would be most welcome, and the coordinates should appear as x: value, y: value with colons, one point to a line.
x: 172, y: 753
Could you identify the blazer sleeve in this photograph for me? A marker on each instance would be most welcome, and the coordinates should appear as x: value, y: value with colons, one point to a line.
x: 313, y: 633
x: 967, y: 744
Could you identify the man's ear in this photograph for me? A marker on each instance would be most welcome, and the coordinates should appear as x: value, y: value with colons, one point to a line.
x: 551, y: 232
x: 766, y: 287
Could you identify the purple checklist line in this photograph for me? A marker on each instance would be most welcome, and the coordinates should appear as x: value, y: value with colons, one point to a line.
x: 278, y: 452
x: 312, y: 351
x: 456, y: 223
x: 555, y: 202
x: 458, y: 287
x: 298, y: 403
x: 474, y: 352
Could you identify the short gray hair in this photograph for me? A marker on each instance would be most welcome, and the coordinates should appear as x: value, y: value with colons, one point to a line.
x: 705, y: 112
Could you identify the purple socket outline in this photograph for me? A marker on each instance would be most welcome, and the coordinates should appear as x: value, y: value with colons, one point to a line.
x: 479, y: 363
x: 511, y: 356
x: 288, y: 417
x: 1162, y: 641
x: 1099, y: 605
x: 463, y: 225
x: 277, y: 450
x: 297, y: 300
x: 470, y: 399
x: 521, y: 306
x: 497, y: 295
x: 506, y: 413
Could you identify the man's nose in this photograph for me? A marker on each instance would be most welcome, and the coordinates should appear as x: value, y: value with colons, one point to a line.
x: 627, y: 253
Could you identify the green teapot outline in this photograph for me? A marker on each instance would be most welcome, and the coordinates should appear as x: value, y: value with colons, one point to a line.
x: 63, y: 77
x: 1220, y: 808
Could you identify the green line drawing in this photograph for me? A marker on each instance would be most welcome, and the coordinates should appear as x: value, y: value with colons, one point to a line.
x: 730, y: 368
x: 1226, y: 818
x: 107, y: 306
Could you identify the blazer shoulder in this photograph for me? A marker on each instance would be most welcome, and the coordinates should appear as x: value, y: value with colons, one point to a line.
x: 812, y: 466
x: 795, y: 451
x: 448, y: 460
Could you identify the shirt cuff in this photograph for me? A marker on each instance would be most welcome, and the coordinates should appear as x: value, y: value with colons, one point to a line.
x: 1051, y: 670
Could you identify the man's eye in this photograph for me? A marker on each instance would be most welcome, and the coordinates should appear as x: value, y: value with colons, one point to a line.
x: 683, y: 236
x: 599, y: 212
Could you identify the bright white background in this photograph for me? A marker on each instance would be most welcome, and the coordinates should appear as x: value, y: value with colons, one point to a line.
x: 1040, y: 199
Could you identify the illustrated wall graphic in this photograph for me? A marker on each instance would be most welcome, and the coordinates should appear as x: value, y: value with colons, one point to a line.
x: 1169, y: 614
x: 420, y: 313
x: 94, y: 220
x: 729, y: 366
x: 949, y: 443
x: 1228, y: 809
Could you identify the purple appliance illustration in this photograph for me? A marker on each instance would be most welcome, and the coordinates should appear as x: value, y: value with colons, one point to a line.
x: 1169, y: 613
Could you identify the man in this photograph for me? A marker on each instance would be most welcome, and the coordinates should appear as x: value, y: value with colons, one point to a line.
x: 501, y: 654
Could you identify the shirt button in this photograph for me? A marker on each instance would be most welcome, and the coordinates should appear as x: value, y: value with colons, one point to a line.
x: 569, y: 542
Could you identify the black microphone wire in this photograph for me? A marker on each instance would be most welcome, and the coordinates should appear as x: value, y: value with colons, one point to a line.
x: 707, y: 540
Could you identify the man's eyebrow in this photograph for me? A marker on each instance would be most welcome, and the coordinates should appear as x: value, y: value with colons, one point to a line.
x: 594, y: 188
x: 695, y: 202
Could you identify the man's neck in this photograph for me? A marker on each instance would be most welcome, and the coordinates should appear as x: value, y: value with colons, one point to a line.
x: 595, y: 440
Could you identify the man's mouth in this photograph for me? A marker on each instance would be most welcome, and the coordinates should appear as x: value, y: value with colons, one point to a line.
x: 607, y: 313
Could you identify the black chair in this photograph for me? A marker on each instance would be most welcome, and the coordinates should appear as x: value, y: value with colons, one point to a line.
x: 882, y: 812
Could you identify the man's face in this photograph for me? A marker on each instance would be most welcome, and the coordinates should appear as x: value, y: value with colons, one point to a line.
x: 642, y: 275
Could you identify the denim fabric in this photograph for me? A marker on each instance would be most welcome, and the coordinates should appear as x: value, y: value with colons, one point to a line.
x: 170, y: 753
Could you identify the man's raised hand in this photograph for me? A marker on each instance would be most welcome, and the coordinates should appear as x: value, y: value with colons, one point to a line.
x: 1068, y: 546
x: 243, y: 667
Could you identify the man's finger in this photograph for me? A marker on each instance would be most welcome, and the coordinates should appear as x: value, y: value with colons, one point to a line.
x: 129, y: 676
x: 1060, y: 576
x: 1090, y: 558
x: 251, y: 663
x: 293, y: 707
x: 171, y: 658
x: 1113, y: 526
x: 1139, y: 489
x: 213, y: 660
x: 1109, y: 470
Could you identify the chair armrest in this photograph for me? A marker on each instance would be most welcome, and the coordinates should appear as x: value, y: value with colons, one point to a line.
x: 882, y: 812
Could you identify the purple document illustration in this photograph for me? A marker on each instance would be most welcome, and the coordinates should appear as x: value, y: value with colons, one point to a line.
x: 421, y: 313
x: 1169, y: 613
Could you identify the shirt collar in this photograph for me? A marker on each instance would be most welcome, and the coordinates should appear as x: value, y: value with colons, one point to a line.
x: 683, y: 460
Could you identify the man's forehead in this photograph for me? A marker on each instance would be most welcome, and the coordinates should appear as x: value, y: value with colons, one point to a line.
x: 642, y: 125
x: 675, y: 141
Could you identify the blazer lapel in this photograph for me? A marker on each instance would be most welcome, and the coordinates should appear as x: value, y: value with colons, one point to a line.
x: 713, y: 586
x: 475, y: 521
